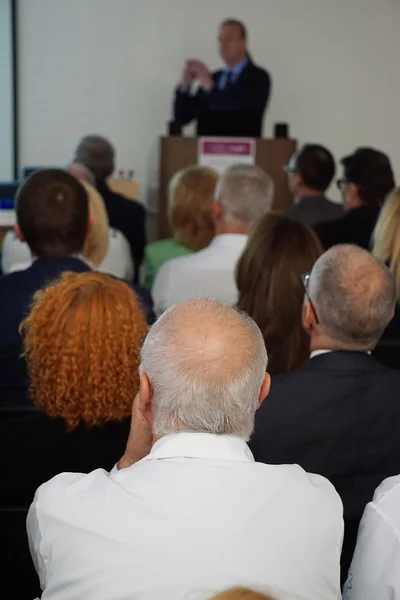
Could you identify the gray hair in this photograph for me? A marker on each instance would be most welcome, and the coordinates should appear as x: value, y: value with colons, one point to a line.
x: 81, y: 172
x: 245, y: 193
x: 97, y: 154
x: 206, y: 363
x: 354, y: 295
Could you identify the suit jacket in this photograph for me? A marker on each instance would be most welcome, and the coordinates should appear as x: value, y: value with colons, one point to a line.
x: 354, y: 227
x: 314, y: 209
x: 35, y: 448
x: 16, y: 295
x: 338, y: 416
x: 129, y: 217
x: 250, y: 91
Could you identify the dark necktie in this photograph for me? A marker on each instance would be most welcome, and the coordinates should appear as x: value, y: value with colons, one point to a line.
x: 229, y: 81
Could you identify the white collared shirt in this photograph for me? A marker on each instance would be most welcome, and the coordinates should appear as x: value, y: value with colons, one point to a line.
x: 375, y: 570
x: 209, y: 272
x: 196, y: 516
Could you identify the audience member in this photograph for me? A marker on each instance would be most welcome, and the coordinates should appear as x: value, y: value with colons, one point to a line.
x: 310, y: 173
x: 118, y: 259
x: 82, y: 341
x: 367, y: 180
x: 386, y: 247
x: 268, y: 276
x: 338, y: 415
x: 374, y: 572
x: 53, y: 218
x: 188, y: 508
x: 244, y: 194
x: 128, y: 216
x: 191, y: 197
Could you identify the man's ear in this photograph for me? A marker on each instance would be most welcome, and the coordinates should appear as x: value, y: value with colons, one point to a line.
x: 146, y: 398
x: 19, y: 233
x: 308, y: 317
x: 264, y: 391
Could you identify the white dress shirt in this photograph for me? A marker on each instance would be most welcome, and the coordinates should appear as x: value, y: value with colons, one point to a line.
x: 375, y: 571
x: 196, y: 516
x: 118, y: 260
x: 209, y: 272
x: 15, y: 255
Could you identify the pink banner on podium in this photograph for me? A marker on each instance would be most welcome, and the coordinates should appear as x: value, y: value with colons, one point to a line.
x: 221, y: 153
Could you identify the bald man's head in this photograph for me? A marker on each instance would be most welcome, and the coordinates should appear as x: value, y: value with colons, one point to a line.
x: 97, y: 154
x: 206, y: 364
x: 354, y: 295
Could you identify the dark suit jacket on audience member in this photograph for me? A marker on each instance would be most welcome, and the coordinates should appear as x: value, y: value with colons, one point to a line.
x: 129, y: 217
x: 338, y: 416
x: 355, y: 227
x: 314, y: 209
x: 16, y: 295
x: 35, y: 448
x: 250, y: 91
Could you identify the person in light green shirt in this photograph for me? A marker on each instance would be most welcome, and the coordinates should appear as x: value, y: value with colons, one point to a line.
x: 190, y: 200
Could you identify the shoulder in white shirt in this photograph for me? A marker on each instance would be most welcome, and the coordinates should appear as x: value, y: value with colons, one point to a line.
x: 209, y: 272
x: 375, y: 570
x: 118, y: 260
x: 195, y: 517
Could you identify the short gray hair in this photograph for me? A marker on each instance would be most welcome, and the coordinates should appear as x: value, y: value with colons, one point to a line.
x: 245, y: 193
x: 97, y: 154
x: 354, y: 295
x: 206, y: 363
x: 81, y: 172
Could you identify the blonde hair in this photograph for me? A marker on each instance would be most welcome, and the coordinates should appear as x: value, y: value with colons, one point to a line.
x: 191, y: 199
x: 96, y: 243
x: 241, y: 594
x: 386, y: 237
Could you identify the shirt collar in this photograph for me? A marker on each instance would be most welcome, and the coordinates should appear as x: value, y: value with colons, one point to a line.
x: 235, y: 240
x: 201, y: 445
x: 236, y: 71
x: 319, y: 352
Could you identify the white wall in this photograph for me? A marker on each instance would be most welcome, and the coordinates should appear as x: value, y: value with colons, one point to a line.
x: 6, y: 93
x: 109, y: 66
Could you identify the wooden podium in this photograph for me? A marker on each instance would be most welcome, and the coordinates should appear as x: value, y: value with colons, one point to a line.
x: 179, y: 152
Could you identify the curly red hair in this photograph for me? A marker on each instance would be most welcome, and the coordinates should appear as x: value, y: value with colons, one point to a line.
x: 82, y: 342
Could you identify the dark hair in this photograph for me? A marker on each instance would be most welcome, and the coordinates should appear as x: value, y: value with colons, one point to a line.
x: 236, y: 23
x: 97, y: 154
x: 370, y: 170
x: 268, y: 276
x: 53, y: 213
x: 316, y: 166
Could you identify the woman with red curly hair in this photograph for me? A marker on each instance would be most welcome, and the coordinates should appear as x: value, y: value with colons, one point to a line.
x: 82, y: 342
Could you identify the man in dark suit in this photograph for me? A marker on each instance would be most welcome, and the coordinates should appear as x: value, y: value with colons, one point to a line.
x: 338, y: 416
x: 240, y: 85
x: 128, y: 216
x: 367, y: 180
x: 310, y: 173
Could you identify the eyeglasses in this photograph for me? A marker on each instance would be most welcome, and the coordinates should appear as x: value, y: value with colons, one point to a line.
x: 306, y: 280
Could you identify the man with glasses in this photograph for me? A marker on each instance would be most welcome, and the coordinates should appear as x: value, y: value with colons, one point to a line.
x: 310, y: 173
x: 338, y: 415
x: 367, y: 180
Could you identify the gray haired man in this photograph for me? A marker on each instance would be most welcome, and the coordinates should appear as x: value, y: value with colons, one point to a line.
x: 187, y: 511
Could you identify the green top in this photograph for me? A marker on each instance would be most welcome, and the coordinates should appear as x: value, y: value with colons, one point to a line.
x: 157, y: 253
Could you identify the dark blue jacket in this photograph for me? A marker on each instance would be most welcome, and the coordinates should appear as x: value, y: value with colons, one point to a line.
x: 16, y: 295
x: 249, y: 92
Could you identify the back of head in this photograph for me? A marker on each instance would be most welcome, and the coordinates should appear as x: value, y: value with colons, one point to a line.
x: 206, y: 364
x: 97, y: 154
x: 241, y: 594
x: 96, y: 243
x: 386, y: 236
x: 316, y: 167
x: 191, y: 199
x: 245, y: 193
x: 53, y: 213
x: 354, y: 295
x: 268, y: 276
x: 82, y: 341
x: 371, y: 171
